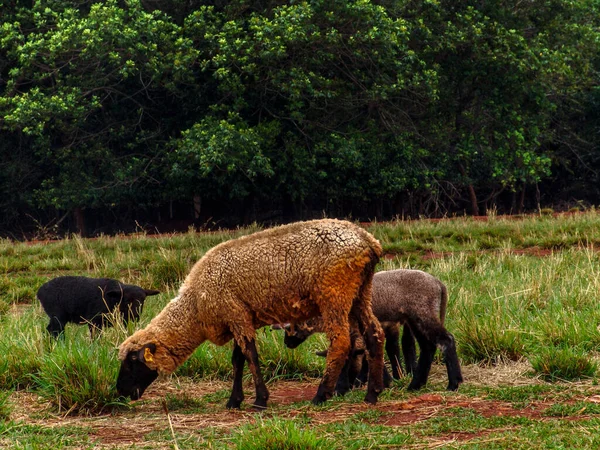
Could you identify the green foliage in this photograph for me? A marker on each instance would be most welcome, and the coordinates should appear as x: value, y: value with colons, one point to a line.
x: 309, y: 106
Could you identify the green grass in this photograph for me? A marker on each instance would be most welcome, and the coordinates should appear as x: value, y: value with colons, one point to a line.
x: 567, y: 363
x: 5, y: 406
x: 22, y: 436
x: 506, y: 304
x: 277, y: 434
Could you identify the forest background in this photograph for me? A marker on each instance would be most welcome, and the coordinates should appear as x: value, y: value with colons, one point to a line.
x: 116, y: 115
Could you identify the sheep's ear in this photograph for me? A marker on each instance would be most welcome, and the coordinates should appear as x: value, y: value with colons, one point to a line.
x: 114, y: 295
x: 146, y: 354
x: 151, y: 292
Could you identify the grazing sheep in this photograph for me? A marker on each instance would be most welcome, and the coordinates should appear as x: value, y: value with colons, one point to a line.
x: 409, y: 297
x: 285, y: 274
x: 87, y: 300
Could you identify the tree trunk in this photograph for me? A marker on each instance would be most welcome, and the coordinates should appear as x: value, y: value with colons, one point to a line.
x: 471, y: 190
x: 521, y: 206
x: 80, y: 221
x: 197, y: 206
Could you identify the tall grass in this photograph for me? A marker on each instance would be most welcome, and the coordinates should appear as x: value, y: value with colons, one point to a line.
x: 79, y: 378
x: 22, y: 345
x: 508, y: 306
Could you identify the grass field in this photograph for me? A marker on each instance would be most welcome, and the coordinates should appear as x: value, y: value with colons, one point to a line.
x: 523, y: 309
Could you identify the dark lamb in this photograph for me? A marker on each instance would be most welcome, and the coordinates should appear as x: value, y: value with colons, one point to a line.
x: 84, y: 300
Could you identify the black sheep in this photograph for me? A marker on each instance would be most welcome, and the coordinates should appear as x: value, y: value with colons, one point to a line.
x: 86, y: 300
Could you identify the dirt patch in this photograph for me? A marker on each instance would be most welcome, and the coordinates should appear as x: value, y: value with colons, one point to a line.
x: 147, y: 419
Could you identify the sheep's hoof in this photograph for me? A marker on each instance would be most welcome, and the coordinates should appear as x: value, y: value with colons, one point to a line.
x: 260, y: 404
x: 371, y: 398
x: 415, y: 386
x: 341, y: 390
x: 233, y: 403
x: 319, y: 399
x: 452, y: 387
x: 322, y: 395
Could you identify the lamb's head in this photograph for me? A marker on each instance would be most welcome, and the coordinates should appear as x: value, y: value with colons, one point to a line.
x: 296, y: 334
x: 142, y: 360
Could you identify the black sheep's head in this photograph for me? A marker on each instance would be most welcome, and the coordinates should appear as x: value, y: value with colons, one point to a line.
x: 130, y: 300
x: 135, y: 375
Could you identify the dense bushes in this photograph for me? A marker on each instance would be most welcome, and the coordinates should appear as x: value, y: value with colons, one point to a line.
x: 117, y: 112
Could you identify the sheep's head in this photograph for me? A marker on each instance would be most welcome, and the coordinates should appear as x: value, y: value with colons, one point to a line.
x: 131, y: 300
x: 136, y: 372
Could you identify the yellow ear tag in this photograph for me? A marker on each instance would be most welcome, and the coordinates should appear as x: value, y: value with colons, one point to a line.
x: 148, y: 356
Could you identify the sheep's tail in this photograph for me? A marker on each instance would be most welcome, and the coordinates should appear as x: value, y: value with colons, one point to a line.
x: 374, y: 245
x: 443, y: 302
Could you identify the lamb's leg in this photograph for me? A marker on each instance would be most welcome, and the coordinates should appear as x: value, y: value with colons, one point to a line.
x: 363, y: 375
x: 392, y: 348
x: 448, y: 346
x: 343, y: 384
x: 409, y: 351
x: 427, y: 333
x: 237, y: 392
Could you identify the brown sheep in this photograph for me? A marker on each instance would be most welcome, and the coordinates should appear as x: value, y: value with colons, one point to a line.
x: 285, y: 274
x: 410, y: 297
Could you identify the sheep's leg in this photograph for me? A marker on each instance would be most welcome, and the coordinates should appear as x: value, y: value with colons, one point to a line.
x: 373, y: 335
x: 237, y: 392
x: 351, y: 366
x: 344, y: 384
x: 392, y: 337
x: 56, y: 326
x: 409, y: 351
x: 448, y: 346
x: 374, y: 343
x: 338, y: 333
x: 262, y: 393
